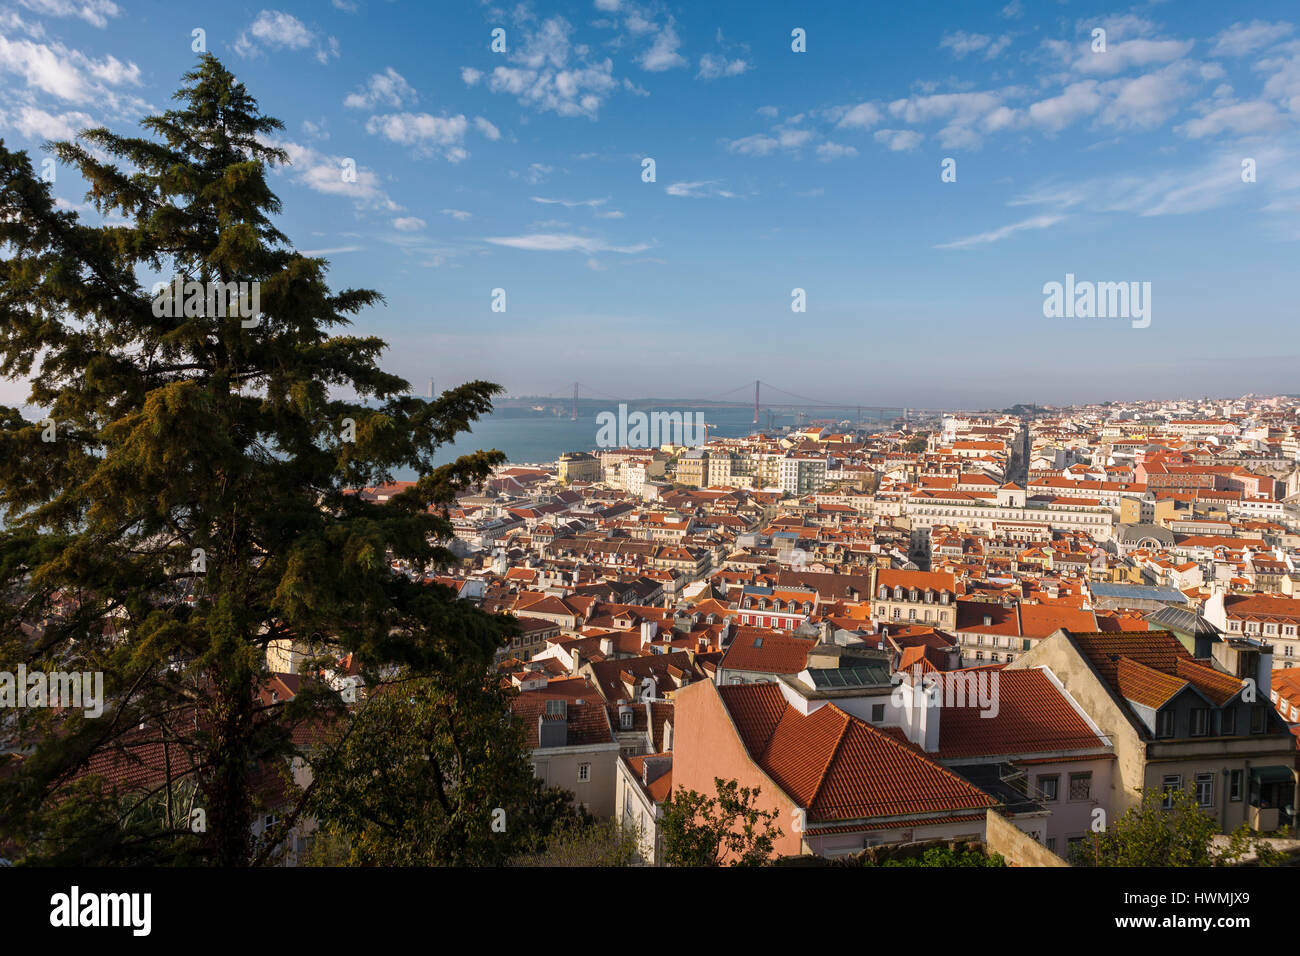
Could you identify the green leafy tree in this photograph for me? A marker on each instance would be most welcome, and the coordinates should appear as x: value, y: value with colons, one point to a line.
x: 701, y: 830
x: 434, y: 771
x: 947, y: 856
x: 1182, y: 834
x: 193, y: 506
x: 573, y: 842
x: 915, y: 445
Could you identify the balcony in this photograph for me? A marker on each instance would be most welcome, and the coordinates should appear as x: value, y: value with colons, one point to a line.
x: 1263, y: 819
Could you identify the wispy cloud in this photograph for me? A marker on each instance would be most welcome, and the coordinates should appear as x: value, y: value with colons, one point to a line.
x: 564, y: 242
x: 1005, y: 232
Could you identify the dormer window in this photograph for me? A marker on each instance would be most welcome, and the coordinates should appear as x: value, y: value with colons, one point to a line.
x: 943, y: 598
x: 912, y: 595
x: 625, y: 720
x: 898, y: 594
x: 884, y: 593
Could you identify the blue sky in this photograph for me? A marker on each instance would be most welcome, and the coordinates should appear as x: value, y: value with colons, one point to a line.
x: 818, y: 170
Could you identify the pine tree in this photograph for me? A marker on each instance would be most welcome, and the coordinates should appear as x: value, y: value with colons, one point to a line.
x: 193, y: 504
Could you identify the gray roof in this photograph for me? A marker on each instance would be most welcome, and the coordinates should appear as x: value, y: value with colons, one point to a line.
x: 1138, y: 592
x: 1136, y: 532
x: 1183, y: 620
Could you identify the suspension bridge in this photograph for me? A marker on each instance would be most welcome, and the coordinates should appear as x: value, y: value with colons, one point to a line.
x: 766, y: 397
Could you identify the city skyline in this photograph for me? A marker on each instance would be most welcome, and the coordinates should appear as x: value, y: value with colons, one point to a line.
x: 775, y: 170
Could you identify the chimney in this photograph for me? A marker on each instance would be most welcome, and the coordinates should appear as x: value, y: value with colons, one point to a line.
x: 576, y: 656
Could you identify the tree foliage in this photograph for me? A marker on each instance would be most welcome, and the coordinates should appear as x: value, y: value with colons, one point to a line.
x: 194, y: 506
x: 701, y: 830
x: 434, y: 771
x: 1182, y: 834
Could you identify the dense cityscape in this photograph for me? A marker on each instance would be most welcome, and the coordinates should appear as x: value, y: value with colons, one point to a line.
x: 956, y: 526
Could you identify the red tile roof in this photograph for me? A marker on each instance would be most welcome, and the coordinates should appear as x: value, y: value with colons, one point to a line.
x: 767, y: 651
x: 1032, y: 716
x: 838, y: 767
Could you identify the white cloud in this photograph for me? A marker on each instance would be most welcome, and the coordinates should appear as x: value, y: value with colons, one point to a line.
x: 38, y: 124
x: 763, y: 144
x: 1131, y: 53
x: 95, y: 12
x: 828, y: 151
x: 430, y: 135
x: 569, y: 203
x: 712, y: 67
x: 389, y: 87
x: 409, y: 223
x: 471, y: 76
x: 68, y: 74
x: 1057, y: 112
x: 326, y: 174
x: 962, y: 44
x: 964, y: 112
x: 702, y: 189
x: 898, y: 140
x: 486, y: 128
x: 758, y: 144
x: 460, y: 215
x: 663, y: 54
x: 997, y: 235
x: 563, y: 242
x: 277, y: 30
x: 862, y: 116
x: 1243, y: 38
x: 1283, y: 83
x: 1145, y: 101
x: 1240, y: 119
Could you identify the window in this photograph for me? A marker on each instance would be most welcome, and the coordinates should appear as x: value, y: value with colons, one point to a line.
x: 1051, y: 844
x: 1200, y: 721
x: 584, y: 772
x: 1205, y: 789
x: 877, y: 712
x: 1050, y: 787
x: 1171, y: 783
x: 1259, y: 719
x: 1080, y: 786
x: 1228, y: 722
x: 1165, y: 723
x: 1234, y: 785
